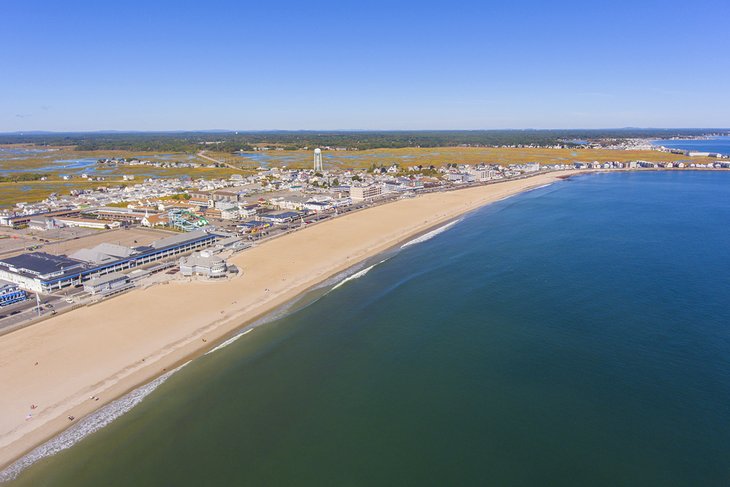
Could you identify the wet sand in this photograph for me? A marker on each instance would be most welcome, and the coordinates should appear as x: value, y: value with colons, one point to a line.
x: 103, y: 351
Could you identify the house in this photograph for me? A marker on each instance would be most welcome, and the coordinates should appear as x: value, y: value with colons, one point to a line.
x: 158, y: 220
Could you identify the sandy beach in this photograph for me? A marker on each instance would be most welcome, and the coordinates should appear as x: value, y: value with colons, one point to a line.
x: 108, y: 349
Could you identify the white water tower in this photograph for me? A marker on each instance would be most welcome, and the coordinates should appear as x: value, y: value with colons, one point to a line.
x: 318, y: 159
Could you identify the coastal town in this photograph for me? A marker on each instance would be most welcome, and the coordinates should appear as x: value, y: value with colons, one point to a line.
x: 364, y: 244
x: 75, y: 249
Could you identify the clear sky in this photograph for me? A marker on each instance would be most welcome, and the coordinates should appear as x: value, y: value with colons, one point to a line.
x: 250, y: 65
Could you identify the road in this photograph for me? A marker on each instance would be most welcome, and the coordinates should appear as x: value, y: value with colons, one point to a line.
x: 26, y: 311
x: 202, y: 155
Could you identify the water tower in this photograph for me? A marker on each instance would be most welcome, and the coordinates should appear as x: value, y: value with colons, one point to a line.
x: 318, y: 159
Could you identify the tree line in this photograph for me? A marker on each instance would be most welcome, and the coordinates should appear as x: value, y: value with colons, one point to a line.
x: 191, y: 142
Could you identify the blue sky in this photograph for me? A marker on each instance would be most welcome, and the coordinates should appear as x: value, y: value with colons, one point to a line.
x: 159, y: 65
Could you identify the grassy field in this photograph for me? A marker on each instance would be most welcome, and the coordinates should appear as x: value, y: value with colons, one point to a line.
x: 59, y: 161
x: 440, y: 156
x: 45, y: 162
x: 31, y: 191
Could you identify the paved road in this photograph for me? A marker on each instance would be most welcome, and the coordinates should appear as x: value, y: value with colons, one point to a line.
x: 25, y: 311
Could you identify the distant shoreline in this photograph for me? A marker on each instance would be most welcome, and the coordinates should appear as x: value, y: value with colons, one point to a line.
x: 114, y: 373
x: 141, y: 362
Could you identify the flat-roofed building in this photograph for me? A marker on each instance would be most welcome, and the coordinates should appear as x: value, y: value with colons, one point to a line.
x: 107, y: 284
x: 87, y: 223
x: 230, y: 195
x: 29, y: 270
x: 285, y: 217
x: 104, y: 252
x: 364, y: 193
x: 120, y: 214
x: 16, y: 221
x: 45, y: 273
x: 203, y: 263
x: 42, y: 223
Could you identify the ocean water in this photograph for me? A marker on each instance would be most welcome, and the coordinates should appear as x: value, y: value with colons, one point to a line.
x: 577, y: 334
x: 718, y: 145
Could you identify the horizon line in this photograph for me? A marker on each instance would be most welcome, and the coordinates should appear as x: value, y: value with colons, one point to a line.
x: 236, y: 131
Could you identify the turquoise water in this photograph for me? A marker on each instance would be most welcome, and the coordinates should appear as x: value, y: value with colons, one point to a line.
x: 716, y: 145
x: 575, y: 335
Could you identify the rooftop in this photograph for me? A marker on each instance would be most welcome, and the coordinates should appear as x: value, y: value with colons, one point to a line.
x: 178, y: 239
x: 116, y: 276
x: 40, y: 263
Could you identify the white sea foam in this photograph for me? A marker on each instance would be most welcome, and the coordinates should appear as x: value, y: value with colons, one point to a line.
x: 86, y: 426
x: 229, y: 341
x: 356, y: 275
x: 430, y: 235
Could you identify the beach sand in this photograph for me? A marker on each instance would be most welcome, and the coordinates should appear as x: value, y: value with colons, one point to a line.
x: 110, y: 348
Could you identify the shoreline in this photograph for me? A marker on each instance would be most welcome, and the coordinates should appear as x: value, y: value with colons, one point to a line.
x: 178, y: 350
x: 17, y: 439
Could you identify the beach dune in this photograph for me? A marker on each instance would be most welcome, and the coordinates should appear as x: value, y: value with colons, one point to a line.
x: 61, y: 365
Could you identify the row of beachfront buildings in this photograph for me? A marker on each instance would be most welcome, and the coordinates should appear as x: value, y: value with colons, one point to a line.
x: 45, y: 273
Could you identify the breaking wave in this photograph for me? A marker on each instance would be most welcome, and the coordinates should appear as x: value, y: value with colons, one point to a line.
x: 229, y: 341
x: 356, y: 275
x: 430, y: 235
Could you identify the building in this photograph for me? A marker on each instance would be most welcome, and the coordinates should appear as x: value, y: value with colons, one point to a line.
x: 45, y: 273
x: 11, y: 293
x: 365, y: 193
x: 17, y: 221
x: 461, y: 177
x: 42, y: 223
x: 103, y: 253
x: 318, y: 206
x: 108, y: 284
x: 248, y: 211
x: 120, y: 214
x: 318, y: 159
x: 211, y: 197
x: 87, y: 223
x: 203, y: 263
x: 157, y: 220
x: 484, y: 174
x: 285, y: 217
x: 32, y: 270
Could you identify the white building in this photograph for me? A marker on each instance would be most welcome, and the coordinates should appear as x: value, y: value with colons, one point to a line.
x: 484, y: 174
x: 364, y: 193
x: 203, y: 263
x: 107, y: 284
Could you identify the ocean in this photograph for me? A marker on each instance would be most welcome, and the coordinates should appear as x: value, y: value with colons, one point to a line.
x: 715, y: 145
x: 577, y: 334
